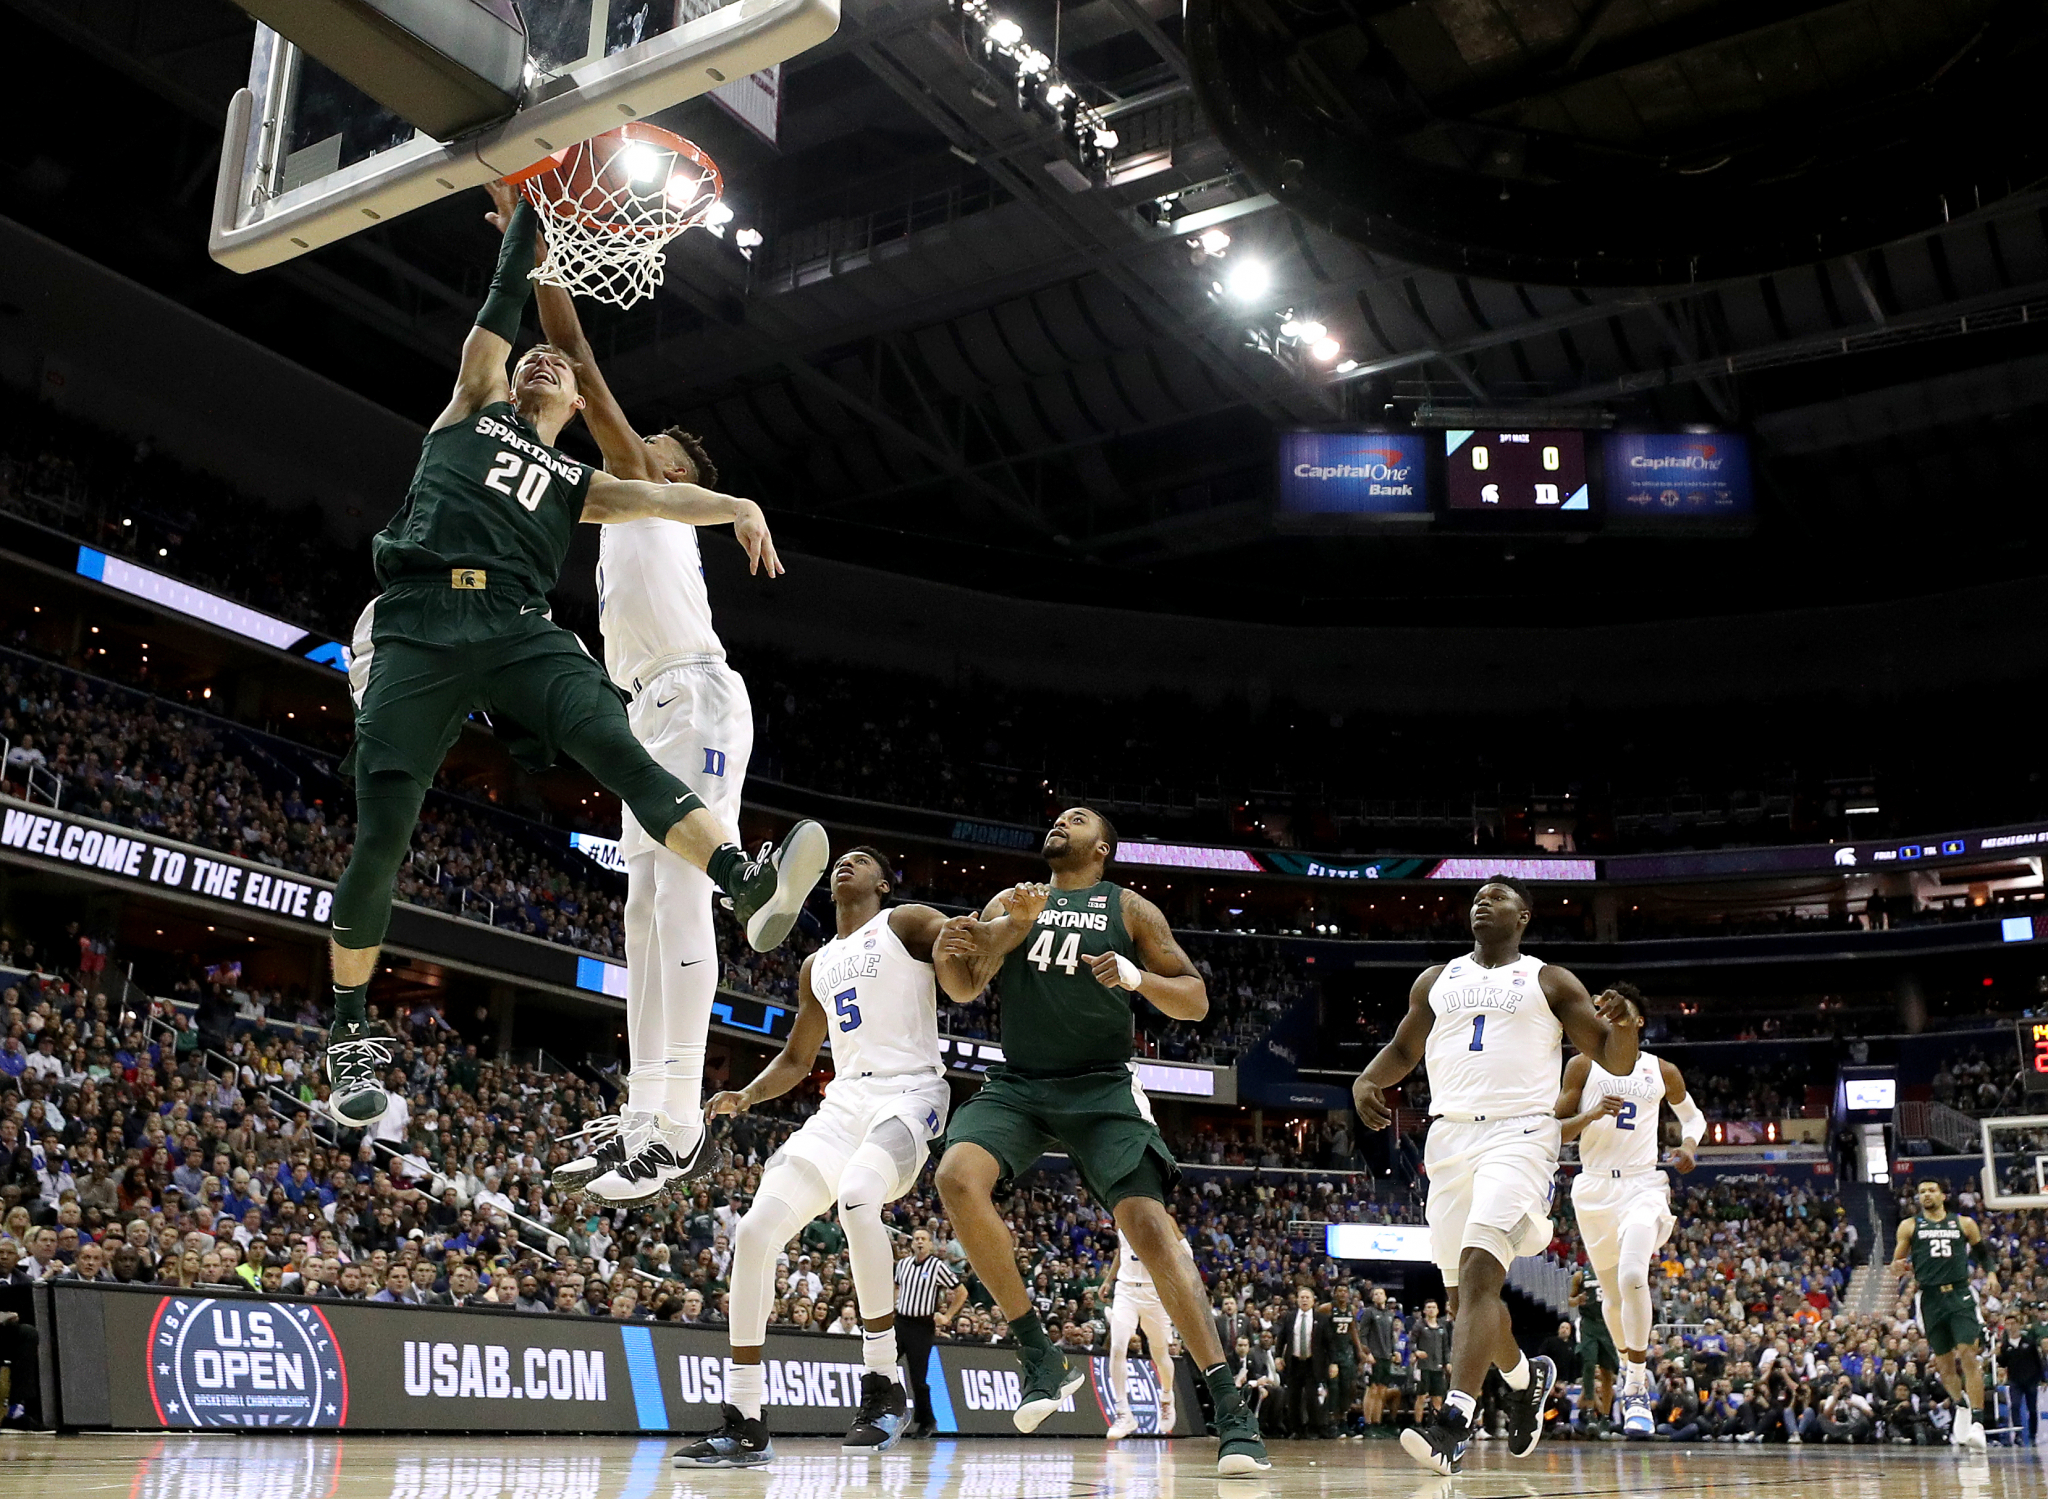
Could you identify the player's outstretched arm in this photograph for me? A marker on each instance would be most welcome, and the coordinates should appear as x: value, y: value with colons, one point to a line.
x: 1980, y: 1251
x: 968, y: 951
x: 1166, y: 977
x: 1569, y: 1100
x: 1614, y: 1047
x: 917, y: 928
x: 1398, y: 1057
x: 1902, y: 1250
x: 625, y: 455
x: 482, y: 380
x: 792, y: 1064
x: 1692, y: 1120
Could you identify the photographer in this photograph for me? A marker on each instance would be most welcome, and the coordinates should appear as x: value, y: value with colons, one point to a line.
x: 1678, y: 1411
x: 1846, y: 1415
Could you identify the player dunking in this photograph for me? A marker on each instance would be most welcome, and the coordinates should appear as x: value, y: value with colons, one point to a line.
x: 1066, y: 958
x: 1935, y: 1247
x: 1489, y: 1028
x: 1136, y: 1305
x: 691, y: 711
x: 1622, y: 1199
x: 870, y: 989
x: 462, y: 624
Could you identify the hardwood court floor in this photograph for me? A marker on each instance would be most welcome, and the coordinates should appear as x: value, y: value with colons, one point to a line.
x: 230, y: 1466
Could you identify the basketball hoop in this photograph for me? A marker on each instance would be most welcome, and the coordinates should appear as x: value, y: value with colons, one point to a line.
x: 609, y: 206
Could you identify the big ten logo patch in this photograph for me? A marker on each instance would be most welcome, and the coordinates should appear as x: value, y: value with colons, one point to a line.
x: 1141, y: 1394
x: 219, y: 1363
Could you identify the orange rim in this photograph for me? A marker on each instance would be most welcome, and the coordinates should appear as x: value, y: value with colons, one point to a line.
x: 529, y: 178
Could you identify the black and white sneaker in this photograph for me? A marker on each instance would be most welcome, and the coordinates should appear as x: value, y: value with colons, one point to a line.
x: 773, y: 885
x: 739, y: 1443
x: 658, y: 1159
x: 354, y: 1062
x: 1525, y: 1407
x: 1439, y: 1446
x: 878, y: 1424
x: 604, y: 1140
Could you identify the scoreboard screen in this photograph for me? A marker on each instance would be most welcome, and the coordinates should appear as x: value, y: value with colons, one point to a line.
x: 2033, y: 1037
x: 1527, y: 470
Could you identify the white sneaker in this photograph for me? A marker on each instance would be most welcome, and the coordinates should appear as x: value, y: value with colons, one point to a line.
x: 1973, y: 1431
x: 1637, y: 1419
x: 1166, y: 1419
x: 660, y: 1157
x: 1122, y: 1426
x: 604, y: 1147
x: 1793, y: 1439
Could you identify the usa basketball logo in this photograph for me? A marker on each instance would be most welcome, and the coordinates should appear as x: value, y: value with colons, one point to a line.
x: 1141, y: 1393
x: 245, y: 1364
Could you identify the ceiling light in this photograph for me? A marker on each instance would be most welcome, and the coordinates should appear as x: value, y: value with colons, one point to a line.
x: 1215, y: 241
x: 1249, y: 280
x: 1323, y: 350
x: 1312, y: 331
x: 642, y: 162
x: 1005, y: 32
x: 1291, y: 328
x: 1346, y: 366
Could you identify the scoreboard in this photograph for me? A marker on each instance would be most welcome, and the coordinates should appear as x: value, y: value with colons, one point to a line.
x: 1532, y: 469
x: 2033, y: 1038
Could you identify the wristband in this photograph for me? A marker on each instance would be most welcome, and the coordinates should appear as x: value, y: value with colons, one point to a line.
x: 1129, y: 974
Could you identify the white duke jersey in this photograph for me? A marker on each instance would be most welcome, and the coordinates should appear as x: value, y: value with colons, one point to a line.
x: 881, y: 1004
x: 1130, y: 1270
x: 1626, y: 1142
x: 1496, y: 1050
x: 651, y: 601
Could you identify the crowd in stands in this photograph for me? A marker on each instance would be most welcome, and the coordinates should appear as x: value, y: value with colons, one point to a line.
x: 1266, y: 771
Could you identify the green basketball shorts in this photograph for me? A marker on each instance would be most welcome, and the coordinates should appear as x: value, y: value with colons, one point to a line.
x: 1948, y: 1317
x: 1101, y: 1118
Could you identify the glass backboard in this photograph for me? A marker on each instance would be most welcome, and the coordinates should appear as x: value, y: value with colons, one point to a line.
x: 309, y: 158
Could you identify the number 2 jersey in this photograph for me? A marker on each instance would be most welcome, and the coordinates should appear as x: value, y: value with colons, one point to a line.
x: 881, y: 1004
x: 1055, y: 1016
x: 488, y: 495
x: 1624, y: 1142
x: 1496, y: 1050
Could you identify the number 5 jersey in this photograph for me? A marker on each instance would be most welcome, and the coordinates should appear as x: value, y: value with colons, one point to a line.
x: 881, y: 1004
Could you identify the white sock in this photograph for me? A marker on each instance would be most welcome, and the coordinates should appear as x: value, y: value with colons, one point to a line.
x: 1635, y: 1377
x: 1518, y: 1377
x: 745, y: 1387
x: 643, y: 1088
x: 1462, y: 1403
x: 878, y: 1351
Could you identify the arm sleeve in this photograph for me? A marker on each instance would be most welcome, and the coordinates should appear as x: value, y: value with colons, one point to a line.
x: 1983, y: 1254
x: 1692, y: 1120
x: 512, y: 282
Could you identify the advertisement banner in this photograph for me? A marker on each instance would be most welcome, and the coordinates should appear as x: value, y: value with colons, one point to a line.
x: 1352, y: 473
x: 1677, y: 475
x: 137, y: 1358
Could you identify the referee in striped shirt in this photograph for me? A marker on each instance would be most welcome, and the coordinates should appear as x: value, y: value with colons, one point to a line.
x: 920, y: 1280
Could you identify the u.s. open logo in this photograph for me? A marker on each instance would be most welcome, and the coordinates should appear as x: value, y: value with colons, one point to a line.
x: 1140, y: 1394
x: 237, y: 1363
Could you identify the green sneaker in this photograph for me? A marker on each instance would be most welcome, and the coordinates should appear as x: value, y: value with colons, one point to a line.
x: 354, y: 1059
x: 1239, y: 1452
x: 1048, y: 1379
x: 772, y: 886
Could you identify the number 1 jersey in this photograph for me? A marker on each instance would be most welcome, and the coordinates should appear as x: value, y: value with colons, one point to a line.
x: 1496, y: 1050
x: 881, y: 1004
x: 488, y: 495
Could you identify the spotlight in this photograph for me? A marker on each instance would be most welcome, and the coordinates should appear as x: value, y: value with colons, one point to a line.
x: 1215, y: 241
x: 1005, y: 32
x: 718, y: 213
x: 1291, y: 328
x: 1058, y: 94
x: 1323, y: 350
x: 1249, y: 280
x: 1346, y: 366
x: 1313, y: 331
x: 642, y: 163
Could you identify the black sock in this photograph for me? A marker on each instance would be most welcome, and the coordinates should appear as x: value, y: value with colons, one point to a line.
x: 351, y: 1003
x: 1030, y: 1332
x: 724, y: 865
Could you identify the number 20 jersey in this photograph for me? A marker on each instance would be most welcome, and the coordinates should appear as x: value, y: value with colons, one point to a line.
x: 1496, y: 1050
x: 881, y: 1004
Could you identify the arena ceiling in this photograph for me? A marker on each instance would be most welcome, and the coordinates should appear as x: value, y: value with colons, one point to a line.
x: 947, y: 360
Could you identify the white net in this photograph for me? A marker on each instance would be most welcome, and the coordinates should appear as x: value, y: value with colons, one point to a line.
x: 609, y: 206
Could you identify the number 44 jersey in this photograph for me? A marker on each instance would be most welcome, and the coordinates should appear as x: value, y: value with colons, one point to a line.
x: 881, y: 1004
x: 1056, y: 1015
x: 1496, y: 1050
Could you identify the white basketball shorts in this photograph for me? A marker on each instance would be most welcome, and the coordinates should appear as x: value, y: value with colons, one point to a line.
x: 1485, y: 1177
x: 1606, y: 1204
x: 697, y: 722
x: 855, y: 1105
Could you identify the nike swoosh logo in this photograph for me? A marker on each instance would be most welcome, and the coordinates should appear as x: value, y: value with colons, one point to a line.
x: 528, y: 608
x: 1532, y: 1129
x: 691, y: 962
x: 663, y: 703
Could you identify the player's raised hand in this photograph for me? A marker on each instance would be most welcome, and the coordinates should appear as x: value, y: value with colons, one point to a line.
x: 750, y: 526
x: 1024, y: 902
x: 724, y: 1103
x: 1370, y: 1099
x: 1613, y: 1007
x: 504, y: 198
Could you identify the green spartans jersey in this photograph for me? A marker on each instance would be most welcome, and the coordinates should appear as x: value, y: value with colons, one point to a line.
x: 1055, y: 1016
x: 488, y: 496
x: 1940, y: 1252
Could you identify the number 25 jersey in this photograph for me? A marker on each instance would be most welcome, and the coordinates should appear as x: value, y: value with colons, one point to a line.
x: 881, y: 1004
x: 1496, y: 1049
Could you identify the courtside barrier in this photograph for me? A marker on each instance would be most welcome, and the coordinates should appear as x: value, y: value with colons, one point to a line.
x: 135, y: 1358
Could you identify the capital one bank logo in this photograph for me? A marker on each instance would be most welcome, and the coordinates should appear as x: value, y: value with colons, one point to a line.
x: 1375, y: 464
x: 1141, y: 1394
x: 245, y: 1364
